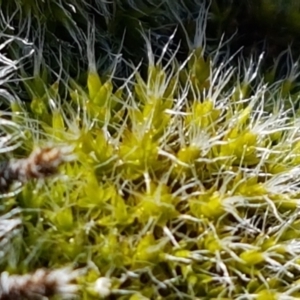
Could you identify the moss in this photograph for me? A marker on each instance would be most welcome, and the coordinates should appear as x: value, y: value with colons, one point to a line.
x: 183, y: 182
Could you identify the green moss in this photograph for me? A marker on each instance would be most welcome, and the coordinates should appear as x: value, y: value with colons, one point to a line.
x: 185, y: 181
x: 171, y: 185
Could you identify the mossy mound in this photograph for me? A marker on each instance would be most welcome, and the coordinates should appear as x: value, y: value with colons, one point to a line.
x: 184, y: 181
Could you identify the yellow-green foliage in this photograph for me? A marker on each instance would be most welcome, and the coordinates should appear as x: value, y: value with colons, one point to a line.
x: 185, y: 185
x: 185, y: 182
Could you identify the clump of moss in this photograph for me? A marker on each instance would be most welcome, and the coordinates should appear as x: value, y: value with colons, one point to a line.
x: 184, y: 182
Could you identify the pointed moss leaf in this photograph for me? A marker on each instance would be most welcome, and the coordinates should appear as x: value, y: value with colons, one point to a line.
x: 94, y: 84
x: 203, y: 114
x: 86, y: 142
x: 171, y: 89
x: 247, y: 188
x: 207, y: 205
x: 138, y: 153
x: 141, y: 89
x: 103, y: 95
x: 38, y: 107
x: 189, y: 154
x: 241, y: 92
x: 102, y: 148
x: 272, y: 243
x: 64, y: 219
x: 120, y: 210
x: 212, y: 243
x: 112, y: 250
x: 162, y: 212
x: 252, y: 257
x: 58, y: 125
x: 253, y: 285
x: 267, y: 295
x: 93, y: 194
x: 159, y: 204
x: 200, y: 72
x: 52, y: 91
x: 215, y: 292
x: 156, y: 78
x: 242, y: 147
x: 30, y: 198
x: 182, y: 253
x: 244, y: 116
x: 147, y: 250
x: 36, y: 87
x: 70, y: 248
